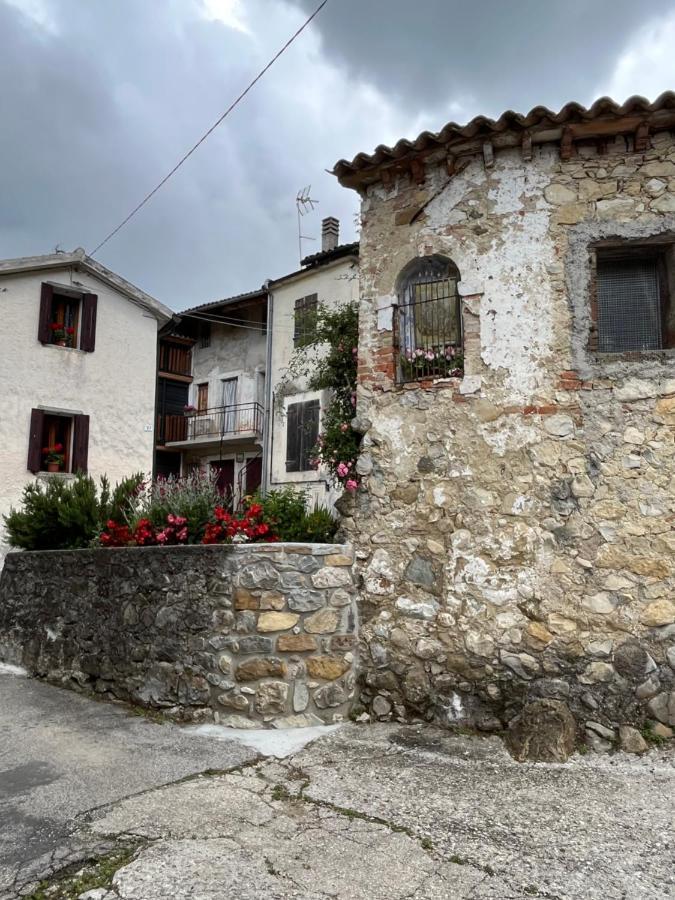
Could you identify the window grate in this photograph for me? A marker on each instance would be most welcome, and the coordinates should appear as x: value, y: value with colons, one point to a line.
x: 430, y: 331
x: 629, y: 306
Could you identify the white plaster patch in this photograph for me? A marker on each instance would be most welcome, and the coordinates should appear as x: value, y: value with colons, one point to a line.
x: 277, y: 742
x: 9, y: 669
x: 508, y: 435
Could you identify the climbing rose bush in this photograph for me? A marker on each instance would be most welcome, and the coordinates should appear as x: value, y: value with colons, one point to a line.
x: 333, y: 368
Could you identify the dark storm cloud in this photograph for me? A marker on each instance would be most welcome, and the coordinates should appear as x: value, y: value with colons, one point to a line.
x: 489, y: 55
x: 98, y: 100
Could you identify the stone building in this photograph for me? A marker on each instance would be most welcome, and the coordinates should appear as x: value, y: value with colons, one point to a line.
x: 515, y: 525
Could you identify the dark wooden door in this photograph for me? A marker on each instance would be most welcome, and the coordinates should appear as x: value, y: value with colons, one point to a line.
x: 253, y: 474
x: 225, y: 479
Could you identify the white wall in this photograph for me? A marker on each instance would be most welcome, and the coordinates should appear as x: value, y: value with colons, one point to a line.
x: 233, y: 352
x: 114, y: 385
x: 335, y: 284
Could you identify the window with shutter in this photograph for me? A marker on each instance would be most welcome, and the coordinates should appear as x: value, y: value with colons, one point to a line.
x: 57, y: 443
x: 80, y: 443
x: 67, y: 317
x: 304, y: 329
x: 35, y: 440
x: 630, y: 307
x: 88, y: 338
x: 302, y: 432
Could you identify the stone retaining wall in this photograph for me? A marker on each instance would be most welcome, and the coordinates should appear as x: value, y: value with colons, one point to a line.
x: 245, y: 636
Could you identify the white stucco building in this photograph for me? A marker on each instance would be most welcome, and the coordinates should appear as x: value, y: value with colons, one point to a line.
x: 223, y: 430
x: 244, y: 419
x: 78, y: 371
x: 328, y: 278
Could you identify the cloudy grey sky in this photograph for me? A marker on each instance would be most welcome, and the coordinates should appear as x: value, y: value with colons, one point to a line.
x: 99, y: 98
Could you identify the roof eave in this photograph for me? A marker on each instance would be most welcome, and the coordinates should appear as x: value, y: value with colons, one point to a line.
x: 79, y: 259
x: 540, y: 125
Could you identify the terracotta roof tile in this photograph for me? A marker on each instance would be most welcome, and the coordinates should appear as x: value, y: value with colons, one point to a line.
x: 480, y: 126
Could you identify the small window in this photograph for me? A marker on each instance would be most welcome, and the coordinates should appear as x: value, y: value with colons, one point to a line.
x: 631, y: 309
x: 429, y: 327
x: 67, y: 318
x: 204, y: 335
x: 58, y: 443
x: 305, y: 320
x: 202, y: 397
x: 302, y: 433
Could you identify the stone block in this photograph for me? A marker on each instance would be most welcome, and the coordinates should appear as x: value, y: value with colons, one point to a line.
x: 545, y: 731
x: 253, y: 669
x: 327, y: 667
x: 662, y: 707
x: 295, y: 643
x: 301, y: 600
x: 300, y: 696
x: 660, y: 612
x: 324, y: 621
x: 339, y: 559
x: 244, y: 599
x: 271, y: 698
x: 272, y: 600
x: 331, y: 577
x: 330, y: 695
x: 277, y: 621
x: 254, y: 644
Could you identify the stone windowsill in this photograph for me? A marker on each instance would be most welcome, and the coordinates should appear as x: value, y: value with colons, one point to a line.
x: 43, y: 476
x: 70, y: 349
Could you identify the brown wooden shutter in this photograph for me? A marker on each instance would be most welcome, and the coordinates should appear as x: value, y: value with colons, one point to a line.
x: 298, y: 321
x: 37, y: 418
x: 309, y: 432
x: 80, y: 443
x: 293, y: 423
x: 44, y: 331
x: 88, y: 335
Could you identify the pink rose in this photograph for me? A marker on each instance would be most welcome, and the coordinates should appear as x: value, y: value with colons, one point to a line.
x: 351, y: 485
x: 342, y: 469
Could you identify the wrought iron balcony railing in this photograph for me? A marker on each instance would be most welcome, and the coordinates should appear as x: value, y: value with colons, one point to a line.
x: 224, y: 421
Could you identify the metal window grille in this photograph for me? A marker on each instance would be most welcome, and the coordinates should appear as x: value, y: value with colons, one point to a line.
x: 629, y: 306
x: 430, y: 330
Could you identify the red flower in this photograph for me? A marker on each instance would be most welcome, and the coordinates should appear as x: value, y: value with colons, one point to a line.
x: 55, y: 326
x: 70, y: 330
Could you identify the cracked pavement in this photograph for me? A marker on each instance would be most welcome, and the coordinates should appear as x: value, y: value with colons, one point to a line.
x: 398, y: 813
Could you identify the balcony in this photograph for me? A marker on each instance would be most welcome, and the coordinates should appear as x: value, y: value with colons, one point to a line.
x: 175, y: 359
x: 240, y: 423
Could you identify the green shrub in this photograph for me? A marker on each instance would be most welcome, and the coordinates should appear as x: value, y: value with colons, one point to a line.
x: 66, y: 515
x: 287, y: 510
x: 320, y: 526
x: 193, y: 497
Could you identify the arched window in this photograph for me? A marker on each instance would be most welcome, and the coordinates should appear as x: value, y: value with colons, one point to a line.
x: 429, y: 320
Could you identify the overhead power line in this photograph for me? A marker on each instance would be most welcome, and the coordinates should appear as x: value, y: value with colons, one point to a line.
x: 211, y: 129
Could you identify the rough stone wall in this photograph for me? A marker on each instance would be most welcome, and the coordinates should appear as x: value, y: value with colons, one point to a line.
x: 515, y: 528
x: 242, y: 636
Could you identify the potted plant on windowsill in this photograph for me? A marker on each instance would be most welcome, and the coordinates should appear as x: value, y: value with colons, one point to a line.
x: 189, y: 409
x: 62, y: 335
x: 53, y: 457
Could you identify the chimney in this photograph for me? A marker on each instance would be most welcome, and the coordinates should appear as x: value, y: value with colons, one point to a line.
x: 330, y: 230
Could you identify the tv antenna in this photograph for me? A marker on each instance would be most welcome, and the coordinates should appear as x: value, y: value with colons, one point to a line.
x: 304, y: 204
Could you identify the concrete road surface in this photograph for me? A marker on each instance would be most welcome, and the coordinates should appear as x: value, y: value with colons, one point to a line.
x: 379, y: 812
x: 62, y: 754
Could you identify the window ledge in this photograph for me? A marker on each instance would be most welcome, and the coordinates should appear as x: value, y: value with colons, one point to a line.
x: 65, y: 476
x: 70, y: 349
